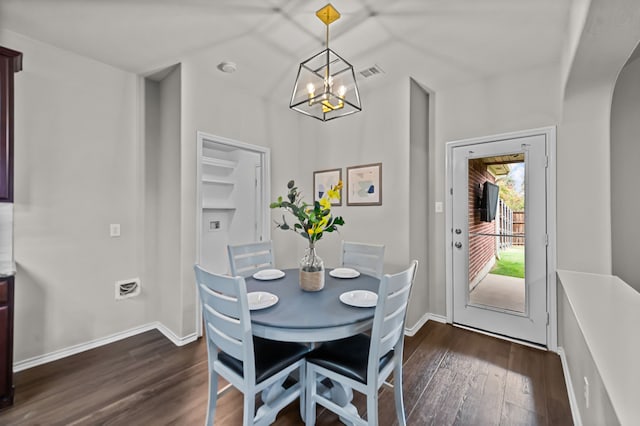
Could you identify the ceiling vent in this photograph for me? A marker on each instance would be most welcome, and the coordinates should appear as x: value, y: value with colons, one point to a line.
x: 371, y: 71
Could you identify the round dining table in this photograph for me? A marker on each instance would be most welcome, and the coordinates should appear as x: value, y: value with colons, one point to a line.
x: 311, y: 317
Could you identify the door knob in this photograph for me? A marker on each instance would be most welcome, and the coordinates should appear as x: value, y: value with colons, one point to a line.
x: 458, y: 244
x: 458, y: 231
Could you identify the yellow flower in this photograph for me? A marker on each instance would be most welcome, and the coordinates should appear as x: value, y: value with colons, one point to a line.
x: 325, y: 203
x: 323, y: 222
x: 334, y: 192
x: 310, y: 231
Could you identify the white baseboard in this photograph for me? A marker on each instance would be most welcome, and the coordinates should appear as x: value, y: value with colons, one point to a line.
x: 411, y: 331
x: 573, y: 402
x: 81, y: 347
x: 177, y: 340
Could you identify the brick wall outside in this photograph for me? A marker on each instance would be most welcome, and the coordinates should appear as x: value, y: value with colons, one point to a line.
x: 481, y: 249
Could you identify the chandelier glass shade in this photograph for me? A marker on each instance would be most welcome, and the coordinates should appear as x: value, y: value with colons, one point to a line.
x: 326, y: 86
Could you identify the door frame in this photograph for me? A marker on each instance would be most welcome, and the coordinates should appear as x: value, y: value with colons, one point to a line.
x: 550, y: 138
x: 265, y: 193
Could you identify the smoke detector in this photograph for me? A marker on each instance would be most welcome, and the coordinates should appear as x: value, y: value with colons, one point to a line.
x: 228, y: 67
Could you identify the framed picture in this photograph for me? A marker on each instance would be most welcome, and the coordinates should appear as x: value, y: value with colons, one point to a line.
x: 323, y: 180
x: 364, y: 185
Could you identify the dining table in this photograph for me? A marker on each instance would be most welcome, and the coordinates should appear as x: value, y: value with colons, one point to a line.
x: 312, y: 317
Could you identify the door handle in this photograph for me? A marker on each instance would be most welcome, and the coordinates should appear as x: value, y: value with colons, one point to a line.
x: 458, y: 231
x: 458, y: 244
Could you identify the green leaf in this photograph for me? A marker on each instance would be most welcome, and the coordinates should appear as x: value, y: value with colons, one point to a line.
x: 290, y: 184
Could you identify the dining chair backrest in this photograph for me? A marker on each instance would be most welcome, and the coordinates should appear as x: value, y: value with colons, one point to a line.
x: 366, y: 258
x: 225, y: 311
x: 389, y: 317
x: 247, y: 259
x: 250, y: 364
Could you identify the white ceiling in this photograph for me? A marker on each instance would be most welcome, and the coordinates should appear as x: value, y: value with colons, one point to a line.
x: 438, y: 42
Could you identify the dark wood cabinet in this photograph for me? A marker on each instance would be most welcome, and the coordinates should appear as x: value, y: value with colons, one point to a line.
x: 6, y: 341
x: 10, y: 63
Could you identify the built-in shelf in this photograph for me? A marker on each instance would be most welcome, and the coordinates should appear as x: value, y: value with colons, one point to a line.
x: 218, y: 181
x: 216, y: 162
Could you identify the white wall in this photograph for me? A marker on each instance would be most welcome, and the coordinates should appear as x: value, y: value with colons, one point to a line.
x: 76, y: 165
x: 584, y: 219
x: 162, y: 214
x: 584, y: 187
x: 526, y: 100
x: 378, y: 134
x: 625, y: 175
x: 581, y: 365
x: 420, y: 211
x: 211, y: 105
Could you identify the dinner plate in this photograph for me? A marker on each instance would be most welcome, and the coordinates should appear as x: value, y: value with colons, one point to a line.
x: 268, y: 274
x: 344, y: 273
x: 359, y: 298
x: 261, y: 300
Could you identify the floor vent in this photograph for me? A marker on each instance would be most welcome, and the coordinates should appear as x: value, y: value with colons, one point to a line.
x: 127, y: 288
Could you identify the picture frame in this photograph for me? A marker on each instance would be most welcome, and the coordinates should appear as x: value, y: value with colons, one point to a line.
x: 364, y: 185
x: 323, y: 180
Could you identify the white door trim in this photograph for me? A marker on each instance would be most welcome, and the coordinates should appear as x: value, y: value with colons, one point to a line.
x: 550, y: 137
x: 265, y: 194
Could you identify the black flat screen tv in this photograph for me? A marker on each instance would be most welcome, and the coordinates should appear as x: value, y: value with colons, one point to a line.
x: 489, y: 201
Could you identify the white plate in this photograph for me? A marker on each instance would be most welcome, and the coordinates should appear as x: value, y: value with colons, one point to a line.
x: 344, y: 273
x: 359, y: 298
x: 268, y: 274
x: 261, y: 300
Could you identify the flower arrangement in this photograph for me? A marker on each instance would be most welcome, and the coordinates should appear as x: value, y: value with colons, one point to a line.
x: 313, y: 220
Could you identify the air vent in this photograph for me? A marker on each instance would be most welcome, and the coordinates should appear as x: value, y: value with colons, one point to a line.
x: 127, y: 288
x: 371, y: 71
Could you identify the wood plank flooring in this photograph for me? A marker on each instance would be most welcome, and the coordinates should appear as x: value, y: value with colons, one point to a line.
x: 451, y: 377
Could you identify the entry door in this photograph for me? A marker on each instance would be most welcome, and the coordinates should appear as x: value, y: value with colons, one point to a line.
x: 498, y: 253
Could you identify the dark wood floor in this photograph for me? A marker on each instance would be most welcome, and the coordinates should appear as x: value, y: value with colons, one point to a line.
x: 451, y: 376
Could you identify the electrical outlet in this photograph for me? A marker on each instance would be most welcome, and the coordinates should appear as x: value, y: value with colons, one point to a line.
x: 214, y: 225
x: 439, y: 207
x: 586, y: 392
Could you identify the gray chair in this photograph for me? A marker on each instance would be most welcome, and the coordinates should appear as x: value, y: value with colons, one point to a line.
x: 365, y: 258
x: 247, y: 259
x: 363, y: 363
x: 248, y: 363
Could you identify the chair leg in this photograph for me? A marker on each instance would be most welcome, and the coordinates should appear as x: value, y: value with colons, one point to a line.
x: 249, y: 412
x: 213, y: 397
x: 397, y: 390
x: 372, y: 406
x: 310, y: 394
x: 302, y: 376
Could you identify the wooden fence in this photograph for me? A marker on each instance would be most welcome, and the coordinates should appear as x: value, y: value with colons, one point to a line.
x: 508, y: 224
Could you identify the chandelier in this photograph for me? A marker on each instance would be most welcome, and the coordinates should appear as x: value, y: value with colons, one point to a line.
x: 326, y: 84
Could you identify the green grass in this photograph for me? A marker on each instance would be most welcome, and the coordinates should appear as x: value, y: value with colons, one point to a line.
x: 511, y: 262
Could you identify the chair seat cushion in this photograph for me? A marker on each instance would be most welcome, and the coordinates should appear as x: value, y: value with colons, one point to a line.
x: 348, y: 357
x: 271, y: 357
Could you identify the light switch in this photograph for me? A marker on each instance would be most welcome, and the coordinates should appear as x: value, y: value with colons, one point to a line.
x: 439, y: 207
x: 114, y: 230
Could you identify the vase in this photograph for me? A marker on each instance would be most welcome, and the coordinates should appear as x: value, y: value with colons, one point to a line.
x: 311, y: 270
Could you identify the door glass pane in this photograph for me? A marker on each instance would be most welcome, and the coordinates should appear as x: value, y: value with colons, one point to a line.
x: 496, y: 233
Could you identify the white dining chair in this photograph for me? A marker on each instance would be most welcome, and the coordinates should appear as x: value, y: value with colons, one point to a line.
x: 365, y: 258
x: 363, y: 363
x: 247, y: 259
x: 248, y: 363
